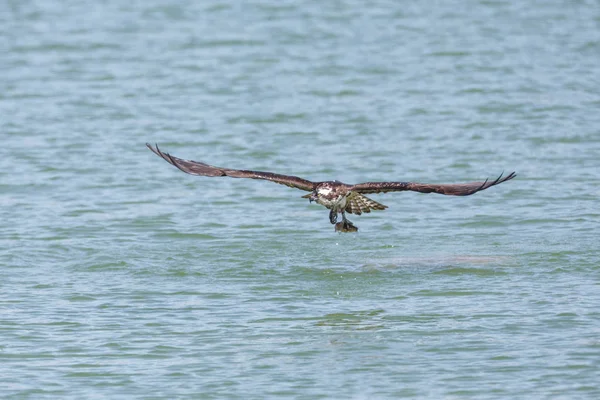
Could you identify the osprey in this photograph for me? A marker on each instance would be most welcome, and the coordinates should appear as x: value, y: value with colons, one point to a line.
x: 338, y: 197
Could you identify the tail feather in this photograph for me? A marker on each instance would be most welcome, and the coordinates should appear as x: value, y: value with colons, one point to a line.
x: 357, y: 203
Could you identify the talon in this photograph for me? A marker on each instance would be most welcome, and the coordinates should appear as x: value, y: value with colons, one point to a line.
x: 332, y: 217
x: 345, y: 226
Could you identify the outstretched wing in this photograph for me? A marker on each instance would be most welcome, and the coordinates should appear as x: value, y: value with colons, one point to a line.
x: 357, y: 204
x: 202, y: 169
x: 456, y: 189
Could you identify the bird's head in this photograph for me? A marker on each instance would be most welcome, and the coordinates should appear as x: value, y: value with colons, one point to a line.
x: 312, y: 196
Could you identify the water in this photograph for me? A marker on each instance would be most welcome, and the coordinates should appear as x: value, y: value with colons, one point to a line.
x: 122, y: 277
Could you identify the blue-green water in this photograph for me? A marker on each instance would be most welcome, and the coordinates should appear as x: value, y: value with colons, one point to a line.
x: 121, y: 277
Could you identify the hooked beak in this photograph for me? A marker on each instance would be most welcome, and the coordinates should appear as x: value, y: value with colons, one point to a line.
x: 310, y: 197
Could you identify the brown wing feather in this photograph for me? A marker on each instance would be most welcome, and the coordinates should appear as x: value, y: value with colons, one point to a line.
x: 456, y: 189
x: 357, y: 204
x: 202, y: 169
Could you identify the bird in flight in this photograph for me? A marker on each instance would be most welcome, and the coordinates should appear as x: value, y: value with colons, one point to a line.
x: 338, y: 197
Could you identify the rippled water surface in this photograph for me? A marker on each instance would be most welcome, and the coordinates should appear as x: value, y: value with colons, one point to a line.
x: 122, y: 277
